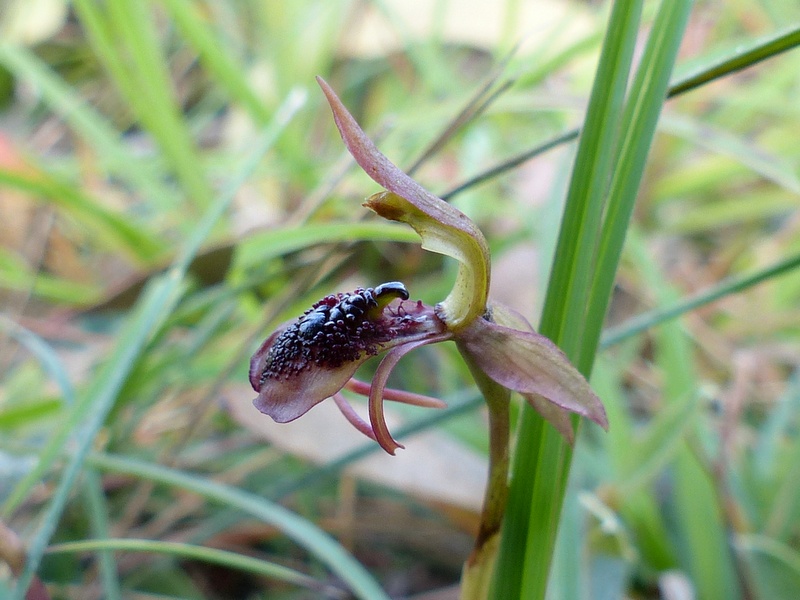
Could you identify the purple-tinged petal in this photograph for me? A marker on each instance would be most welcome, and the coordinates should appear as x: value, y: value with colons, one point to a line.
x: 277, y: 396
x: 529, y: 363
x: 363, y: 388
x: 258, y: 360
x: 285, y: 398
x: 558, y: 417
x: 352, y: 416
x: 376, y: 416
x: 552, y: 413
x: 509, y: 317
x: 443, y: 228
x: 288, y: 399
x: 387, y: 174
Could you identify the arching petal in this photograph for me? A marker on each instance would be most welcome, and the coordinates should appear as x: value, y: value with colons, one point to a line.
x: 376, y: 416
x: 443, y: 228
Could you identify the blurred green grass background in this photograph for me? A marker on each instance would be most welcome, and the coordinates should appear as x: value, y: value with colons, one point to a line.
x: 172, y: 188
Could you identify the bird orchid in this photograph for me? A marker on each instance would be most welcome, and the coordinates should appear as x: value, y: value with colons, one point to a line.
x: 316, y: 356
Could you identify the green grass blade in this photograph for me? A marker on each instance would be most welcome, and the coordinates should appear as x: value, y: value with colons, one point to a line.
x: 772, y: 433
x: 316, y: 541
x: 566, y: 581
x: 45, y: 354
x: 541, y: 460
x: 215, y: 556
x: 740, y: 56
x: 154, y: 306
x: 122, y: 35
x: 295, y: 100
x: 705, y: 546
x: 88, y: 417
x: 276, y: 242
x: 586, y: 44
x: 706, y: 70
x: 175, y: 275
x: 564, y: 318
x: 639, y: 508
x: 775, y: 565
x: 575, y: 251
x: 97, y: 513
x: 511, y: 163
x: 659, y: 443
x: 751, y: 208
x: 642, y: 110
x: 16, y: 275
x: 725, y: 288
x: 225, y: 70
x: 112, y: 154
x: 21, y: 415
x: 702, y: 537
x: 116, y: 231
x: 767, y: 165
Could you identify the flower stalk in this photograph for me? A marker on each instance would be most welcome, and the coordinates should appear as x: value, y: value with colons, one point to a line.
x: 479, y: 568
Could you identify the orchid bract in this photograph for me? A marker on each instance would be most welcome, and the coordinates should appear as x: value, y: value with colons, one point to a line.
x: 316, y: 356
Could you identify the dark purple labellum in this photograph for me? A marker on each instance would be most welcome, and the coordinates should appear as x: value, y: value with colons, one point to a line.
x: 338, y: 329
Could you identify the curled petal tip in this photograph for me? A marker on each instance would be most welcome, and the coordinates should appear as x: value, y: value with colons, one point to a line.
x: 376, y: 416
x: 391, y: 446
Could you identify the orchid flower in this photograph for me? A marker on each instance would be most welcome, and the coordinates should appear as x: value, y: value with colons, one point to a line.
x: 316, y: 356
